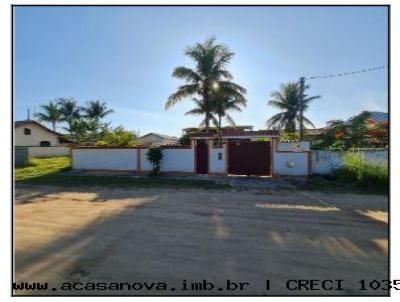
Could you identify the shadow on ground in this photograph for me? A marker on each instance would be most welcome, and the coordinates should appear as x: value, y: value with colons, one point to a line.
x: 115, y: 235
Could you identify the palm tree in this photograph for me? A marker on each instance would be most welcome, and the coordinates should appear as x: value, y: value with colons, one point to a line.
x: 97, y: 110
x: 69, y: 111
x: 202, y: 108
x: 51, y: 114
x: 224, y: 102
x: 210, y: 73
x: 291, y: 101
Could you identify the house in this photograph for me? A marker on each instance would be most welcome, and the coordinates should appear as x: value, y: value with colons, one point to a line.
x: 33, y: 134
x: 156, y: 139
x: 193, y: 130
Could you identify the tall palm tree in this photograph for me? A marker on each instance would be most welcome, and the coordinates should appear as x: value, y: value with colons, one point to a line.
x: 51, y: 114
x: 210, y: 73
x: 69, y: 111
x: 291, y: 101
x: 96, y: 110
x: 202, y: 108
x: 223, y: 103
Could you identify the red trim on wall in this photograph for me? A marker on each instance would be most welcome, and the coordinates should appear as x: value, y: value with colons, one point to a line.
x: 138, y: 168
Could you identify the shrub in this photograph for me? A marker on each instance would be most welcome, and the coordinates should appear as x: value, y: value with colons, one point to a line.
x: 363, y: 174
x: 184, y: 140
x: 154, y: 155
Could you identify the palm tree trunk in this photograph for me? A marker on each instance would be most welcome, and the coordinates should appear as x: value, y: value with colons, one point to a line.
x: 54, y: 125
x: 219, y: 130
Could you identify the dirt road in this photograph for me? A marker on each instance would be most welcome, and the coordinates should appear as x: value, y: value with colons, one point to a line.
x: 167, y: 236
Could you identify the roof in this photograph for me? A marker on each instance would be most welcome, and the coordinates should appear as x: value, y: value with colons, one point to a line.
x: 233, y: 133
x: 33, y: 122
x: 160, y: 135
x: 226, y: 128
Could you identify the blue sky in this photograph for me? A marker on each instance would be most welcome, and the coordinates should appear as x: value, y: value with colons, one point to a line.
x: 125, y: 56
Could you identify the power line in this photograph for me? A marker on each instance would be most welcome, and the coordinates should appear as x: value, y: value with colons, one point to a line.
x: 346, y: 73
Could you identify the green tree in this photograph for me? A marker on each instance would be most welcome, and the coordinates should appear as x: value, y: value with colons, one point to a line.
x: 96, y: 110
x: 51, y: 114
x: 293, y: 102
x: 184, y: 140
x: 119, y: 137
x: 70, y: 112
x: 210, y: 73
x: 223, y: 103
x: 154, y: 156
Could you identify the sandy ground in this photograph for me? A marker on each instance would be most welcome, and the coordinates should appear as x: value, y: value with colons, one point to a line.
x: 167, y: 236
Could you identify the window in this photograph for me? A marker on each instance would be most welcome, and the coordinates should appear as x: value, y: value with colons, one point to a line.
x: 27, y: 131
x: 219, y: 155
x: 44, y: 144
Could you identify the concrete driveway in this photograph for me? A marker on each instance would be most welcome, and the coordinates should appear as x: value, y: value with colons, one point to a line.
x: 161, y: 241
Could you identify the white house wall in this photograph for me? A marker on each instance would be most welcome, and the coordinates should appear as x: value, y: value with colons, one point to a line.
x: 37, y: 135
x: 107, y: 159
x: 217, y: 165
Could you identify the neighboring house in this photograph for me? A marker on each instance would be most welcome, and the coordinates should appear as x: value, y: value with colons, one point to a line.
x: 156, y: 139
x: 33, y: 134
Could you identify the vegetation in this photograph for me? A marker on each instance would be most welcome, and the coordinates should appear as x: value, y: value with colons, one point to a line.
x: 292, y: 101
x: 355, y: 176
x: 154, y: 156
x: 359, y: 132
x: 184, y: 140
x: 38, y: 167
x: 84, y: 124
x: 117, y: 137
x: 96, y: 110
x: 52, y: 171
x: 209, y: 84
x: 51, y: 114
x: 363, y: 174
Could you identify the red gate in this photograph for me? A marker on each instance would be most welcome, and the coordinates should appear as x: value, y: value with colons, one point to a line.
x: 249, y: 158
x: 201, y: 157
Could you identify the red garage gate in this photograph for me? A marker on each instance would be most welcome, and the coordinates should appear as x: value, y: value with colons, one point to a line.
x: 249, y: 158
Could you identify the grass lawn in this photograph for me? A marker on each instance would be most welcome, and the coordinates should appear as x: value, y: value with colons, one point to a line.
x: 38, y: 167
x: 49, y: 171
x: 328, y: 185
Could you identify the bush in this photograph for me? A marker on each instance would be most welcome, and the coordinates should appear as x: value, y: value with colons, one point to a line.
x: 184, y: 140
x: 154, y: 155
x: 363, y: 174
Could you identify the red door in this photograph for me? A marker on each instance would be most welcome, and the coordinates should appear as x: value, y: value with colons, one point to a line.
x: 249, y: 158
x: 201, y: 157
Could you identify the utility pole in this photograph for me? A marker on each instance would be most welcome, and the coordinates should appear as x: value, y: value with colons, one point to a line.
x: 29, y: 115
x: 302, y: 86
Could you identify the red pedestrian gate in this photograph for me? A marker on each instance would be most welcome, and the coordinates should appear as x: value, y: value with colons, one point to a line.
x: 249, y: 158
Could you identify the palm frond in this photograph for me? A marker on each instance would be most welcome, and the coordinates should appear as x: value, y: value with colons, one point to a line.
x: 183, y: 92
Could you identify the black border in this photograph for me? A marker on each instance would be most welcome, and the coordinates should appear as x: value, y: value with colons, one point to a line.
x: 388, y: 6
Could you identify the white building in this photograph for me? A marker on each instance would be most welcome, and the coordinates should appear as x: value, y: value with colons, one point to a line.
x: 32, y: 134
x: 155, y: 139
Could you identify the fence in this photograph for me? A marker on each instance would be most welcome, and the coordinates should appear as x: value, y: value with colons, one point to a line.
x: 21, y: 156
x: 48, y: 151
x: 174, y: 159
x: 324, y: 162
x: 292, y: 159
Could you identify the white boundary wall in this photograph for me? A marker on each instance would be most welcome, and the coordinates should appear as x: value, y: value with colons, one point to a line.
x: 183, y: 160
x: 324, y: 162
x: 104, y: 159
x: 217, y: 165
x: 294, y: 146
x: 291, y: 163
x: 48, y: 151
x: 177, y: 160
